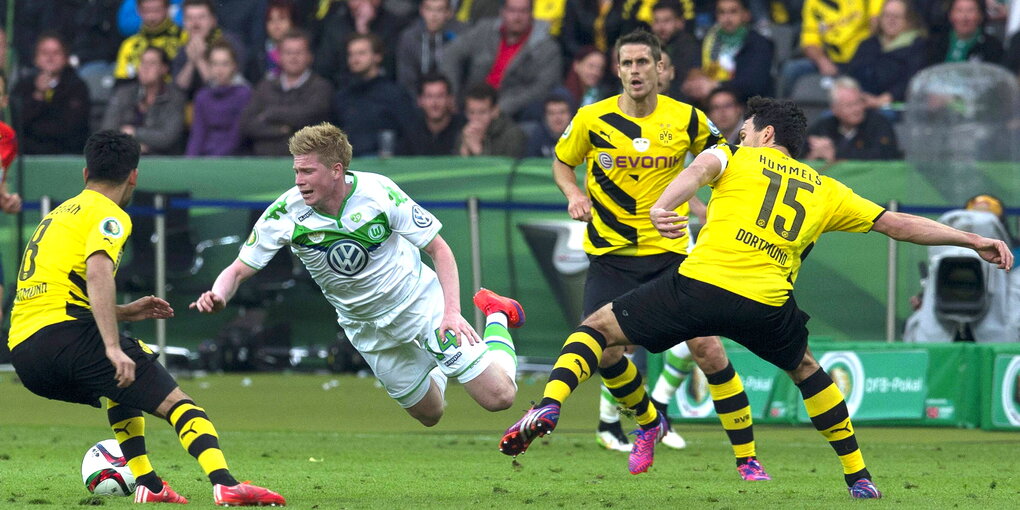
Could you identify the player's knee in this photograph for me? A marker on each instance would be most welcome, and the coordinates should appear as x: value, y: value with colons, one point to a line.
x: 708, y: 353
x: 501, y: 399
x: 428, y: 419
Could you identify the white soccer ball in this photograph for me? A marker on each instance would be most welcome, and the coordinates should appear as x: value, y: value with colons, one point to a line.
x: 104, y: 470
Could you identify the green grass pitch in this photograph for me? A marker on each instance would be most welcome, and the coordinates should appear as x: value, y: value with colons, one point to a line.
x: 331, y: 442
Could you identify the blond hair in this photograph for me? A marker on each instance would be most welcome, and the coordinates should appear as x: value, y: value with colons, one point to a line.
x: 326, y: 141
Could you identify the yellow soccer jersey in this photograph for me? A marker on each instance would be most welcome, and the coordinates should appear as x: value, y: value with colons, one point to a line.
x: 630, y: 163
x: 51, y: 279
x: 766, y: 212
x: 838, y: 26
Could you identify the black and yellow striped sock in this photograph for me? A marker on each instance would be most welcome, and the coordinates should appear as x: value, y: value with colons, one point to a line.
x: 578, y: 359
x: 734, y: 411
x: 198, y: 436
x: 128, y: 426
x: 829, y: 414
x: 624, y: 382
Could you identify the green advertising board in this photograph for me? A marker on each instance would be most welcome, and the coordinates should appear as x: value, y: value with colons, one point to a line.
x: 1002, y: 390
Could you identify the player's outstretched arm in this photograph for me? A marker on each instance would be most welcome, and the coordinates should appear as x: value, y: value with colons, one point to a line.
x: 920, y: 230
x: 102, y: 298
x: 214, y: 300
x: 148, y: 307
x: 449, y: 280
x: 704, y: 169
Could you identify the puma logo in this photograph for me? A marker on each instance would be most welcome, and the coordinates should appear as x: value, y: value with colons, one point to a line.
x: 580, y: 368
x: 124, y: 429
x: 607, y: 135
x: 847, y: 428
x: 190, y: 429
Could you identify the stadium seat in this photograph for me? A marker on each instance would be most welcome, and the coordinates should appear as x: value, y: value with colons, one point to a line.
x: 811, y: 93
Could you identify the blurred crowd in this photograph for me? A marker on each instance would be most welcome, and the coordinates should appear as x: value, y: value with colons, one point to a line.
x: 467, y: 77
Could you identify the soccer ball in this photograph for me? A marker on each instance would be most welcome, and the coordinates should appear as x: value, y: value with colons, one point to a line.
x: 104, y: 470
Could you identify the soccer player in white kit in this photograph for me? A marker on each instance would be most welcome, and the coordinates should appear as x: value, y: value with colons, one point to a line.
x: 361, y: 239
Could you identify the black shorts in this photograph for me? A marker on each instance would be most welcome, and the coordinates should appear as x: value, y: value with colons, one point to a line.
x: 611, y: 276
x: 67, y: 361
x: 675, y: 307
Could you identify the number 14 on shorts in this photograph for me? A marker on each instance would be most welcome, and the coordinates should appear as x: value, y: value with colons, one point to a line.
x: 441, y: 343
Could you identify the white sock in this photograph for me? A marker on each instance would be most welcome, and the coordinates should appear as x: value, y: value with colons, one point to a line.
x: 608, y: 410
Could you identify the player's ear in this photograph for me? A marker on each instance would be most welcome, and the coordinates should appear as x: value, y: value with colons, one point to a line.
x: 85, y: 174
x: 133, y: 177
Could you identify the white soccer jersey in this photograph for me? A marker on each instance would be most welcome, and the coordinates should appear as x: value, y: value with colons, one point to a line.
x: 366, y: 260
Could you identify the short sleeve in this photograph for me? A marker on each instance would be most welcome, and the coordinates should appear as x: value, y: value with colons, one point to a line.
x: 407, y: 218
x: 574, y: 144
x: 271, y: 232
x: 852, y: 213
x: 109, y: 231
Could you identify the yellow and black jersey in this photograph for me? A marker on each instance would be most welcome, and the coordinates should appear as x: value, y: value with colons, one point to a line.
x: 838, y: 27
x: 766, y: 212
x: 51, y: 279
x: 630, y: 163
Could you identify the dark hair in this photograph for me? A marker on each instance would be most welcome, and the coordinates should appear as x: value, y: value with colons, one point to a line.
x: 208, y: 4
x: 482, y: 90
x: 434, y: 77
x: 297, y: 33
x: 744, y: 4
x: 166, y: 3
x: 723, y: 89
x: 221, y: 44
x: 673, y: 6
x: 784, y: 116
x: 110, y: 156
x: 287, y: 6
x: 641, y: 36
x: 163, y: 57
x: 51, y: 34
x: 373, y: 40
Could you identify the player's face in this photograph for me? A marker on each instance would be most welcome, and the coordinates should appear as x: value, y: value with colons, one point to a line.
x: 749, y: 137
x: 731, y: 15
x: 50, y: 56
x: 435, y: 13
x: 221, y: 67
x: 638, y: 71
x: 278, y: 22
x: 316, y: 182
x: 294, y: 56
x: 591, y: 68
x: 436, y: 101
x: 965, y: 17
x: 198, y: 21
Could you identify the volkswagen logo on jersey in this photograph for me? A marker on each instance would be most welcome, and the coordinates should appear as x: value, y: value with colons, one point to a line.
x: 347, y: 257
x: 605, y: 160
x: 421, y: 218
x: 642, y: 144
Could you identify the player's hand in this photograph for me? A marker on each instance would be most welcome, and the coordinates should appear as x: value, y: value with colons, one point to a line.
x: 455, y: 323
x: 669, y: 224
x: 579, y: 207
x: 148, y: 307
x: 208, y: 302
x: 124, y: 365
x: 995, y: 251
